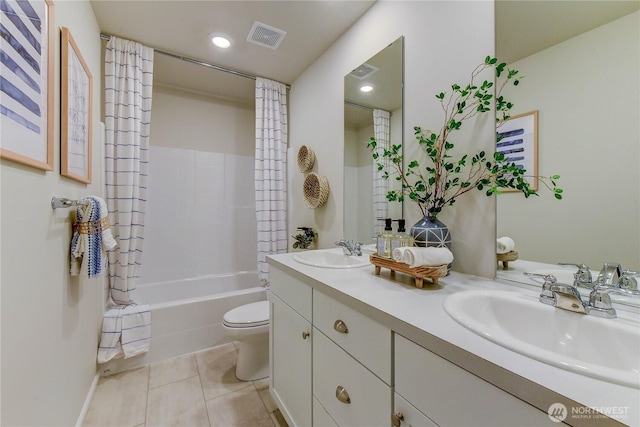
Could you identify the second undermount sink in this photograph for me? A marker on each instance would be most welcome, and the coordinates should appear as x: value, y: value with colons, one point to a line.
x: 331, y: 258
x: 607, y: 349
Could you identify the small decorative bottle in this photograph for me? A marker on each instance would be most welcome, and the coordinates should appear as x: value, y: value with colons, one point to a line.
x: 383, y: 242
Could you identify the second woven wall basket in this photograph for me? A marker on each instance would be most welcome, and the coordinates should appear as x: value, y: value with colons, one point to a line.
x: 316, y: 190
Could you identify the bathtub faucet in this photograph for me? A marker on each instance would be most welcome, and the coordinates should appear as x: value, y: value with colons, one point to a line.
x: 350, y: 247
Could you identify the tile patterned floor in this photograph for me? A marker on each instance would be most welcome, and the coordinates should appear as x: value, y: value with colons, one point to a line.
x: 194, y: 390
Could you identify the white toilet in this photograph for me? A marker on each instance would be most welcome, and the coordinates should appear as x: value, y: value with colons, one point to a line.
x: 249, y: 325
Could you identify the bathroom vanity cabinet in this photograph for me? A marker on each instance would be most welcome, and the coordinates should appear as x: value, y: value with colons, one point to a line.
x: 349, y: 348
x: 342, y: 373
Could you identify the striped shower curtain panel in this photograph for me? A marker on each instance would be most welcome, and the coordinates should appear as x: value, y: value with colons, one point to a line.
x: 128, y: 85
x: 270, y: 172
x: 380, y: 185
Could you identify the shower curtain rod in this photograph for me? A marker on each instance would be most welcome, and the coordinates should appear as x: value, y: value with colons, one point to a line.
x: 105, y: 36
x: 353, y: 104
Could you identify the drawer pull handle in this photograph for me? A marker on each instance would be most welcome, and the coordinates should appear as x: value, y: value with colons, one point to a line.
x: 341, y: 327
x: 342, y: 395
x: 305, y: 335
x: 396, y: 419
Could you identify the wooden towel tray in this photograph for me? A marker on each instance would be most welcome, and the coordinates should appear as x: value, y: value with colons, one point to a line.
x: 505, y: 258
x: 419, y: 273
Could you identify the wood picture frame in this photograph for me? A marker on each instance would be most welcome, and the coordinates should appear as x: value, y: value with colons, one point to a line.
x: 517, y: 139
x: 26, y: 104
x: 76, y: 115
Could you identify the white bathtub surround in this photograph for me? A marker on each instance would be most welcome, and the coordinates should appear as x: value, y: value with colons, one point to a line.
x: 128, y: 91
x: 270, y: 171
x: 188, y: 314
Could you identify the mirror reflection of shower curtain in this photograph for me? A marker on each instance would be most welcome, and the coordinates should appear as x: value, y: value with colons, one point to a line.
x: 381, y: 131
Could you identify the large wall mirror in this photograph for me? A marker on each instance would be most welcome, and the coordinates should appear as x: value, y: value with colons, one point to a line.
x: 368, y: 113
x: 585, y: 87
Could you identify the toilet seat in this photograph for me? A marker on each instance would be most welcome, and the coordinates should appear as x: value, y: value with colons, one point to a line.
x: 248, y: 316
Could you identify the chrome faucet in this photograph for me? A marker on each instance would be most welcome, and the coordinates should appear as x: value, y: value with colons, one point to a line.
x: 559, y: 295
x: 350, y: 247
x: 611, y: 280
x: 599, y: 299
x: 610, y: 274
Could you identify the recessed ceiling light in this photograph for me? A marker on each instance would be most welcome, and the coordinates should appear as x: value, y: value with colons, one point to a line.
x: 220, y: 40
x: 366, y: 88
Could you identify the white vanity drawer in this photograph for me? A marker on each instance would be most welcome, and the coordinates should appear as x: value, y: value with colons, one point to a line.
x: 292, y: 291
x: 320, y: 417
x: 407, y: 414
x: 369, y: 398
x: 450, y: 395
x: 365, y: 339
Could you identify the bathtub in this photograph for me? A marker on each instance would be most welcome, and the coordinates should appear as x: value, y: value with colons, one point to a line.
x: 186, y: 315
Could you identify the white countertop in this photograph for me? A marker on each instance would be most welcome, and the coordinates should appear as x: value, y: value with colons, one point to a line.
x: 418, y: 314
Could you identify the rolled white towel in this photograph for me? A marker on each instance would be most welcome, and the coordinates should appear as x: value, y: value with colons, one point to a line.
x: 504, y: 245
x: 398, y: 253
x: 429, y: 256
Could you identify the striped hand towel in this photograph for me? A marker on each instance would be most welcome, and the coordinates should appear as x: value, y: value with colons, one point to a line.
x: 91, y: 237
x: 126, y: 332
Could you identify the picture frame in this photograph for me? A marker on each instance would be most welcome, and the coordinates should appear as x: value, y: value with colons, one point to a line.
x: 76, y: 112
x: 26, y: 105
x: 517, y: 139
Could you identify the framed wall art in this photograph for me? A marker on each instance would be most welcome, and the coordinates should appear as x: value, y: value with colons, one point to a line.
x: 76, y: 102
x: 27, y: 50
x: 517, y: 139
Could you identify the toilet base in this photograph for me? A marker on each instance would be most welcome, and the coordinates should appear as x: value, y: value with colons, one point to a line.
x: 253, y: 359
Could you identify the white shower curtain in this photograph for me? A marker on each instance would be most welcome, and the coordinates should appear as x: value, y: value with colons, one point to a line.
x: 270, y: 172
x: 128, y: 85
x: 380, y: 185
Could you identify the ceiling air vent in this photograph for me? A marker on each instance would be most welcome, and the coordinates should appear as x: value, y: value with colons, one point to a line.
x: 363, y: 71
x: 265, y: 35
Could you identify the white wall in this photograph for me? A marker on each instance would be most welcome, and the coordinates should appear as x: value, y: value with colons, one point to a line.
x: 444, y: 41
x: 201, y: 217
x: 587, y: 93
x: 50, y: 321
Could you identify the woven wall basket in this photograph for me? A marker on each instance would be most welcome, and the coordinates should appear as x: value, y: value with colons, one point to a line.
x: 306, y: 158
x: 316, y: 190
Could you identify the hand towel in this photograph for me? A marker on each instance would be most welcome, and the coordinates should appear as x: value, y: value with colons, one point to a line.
x: 398, y: 253
x: 429, y: 256
x: 126, y: 332
x: 505, y: 245
x: 91, y: 237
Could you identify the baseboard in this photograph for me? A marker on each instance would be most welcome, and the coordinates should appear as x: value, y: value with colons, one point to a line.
x: 87, y: 401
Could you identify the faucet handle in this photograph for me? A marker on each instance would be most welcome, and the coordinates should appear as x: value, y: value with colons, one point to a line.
x: 629, y: 280
x: 546, y: 296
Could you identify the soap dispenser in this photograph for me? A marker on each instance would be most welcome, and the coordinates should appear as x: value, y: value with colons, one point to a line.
x: 383, y: 241
x: 401, y: 238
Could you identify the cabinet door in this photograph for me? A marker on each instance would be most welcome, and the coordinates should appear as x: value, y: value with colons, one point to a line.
x: 451, y: 396
x: 406, y: 415
x: 290, y: 351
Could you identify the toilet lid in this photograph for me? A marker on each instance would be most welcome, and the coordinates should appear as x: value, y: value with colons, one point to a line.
x: 245, y: 316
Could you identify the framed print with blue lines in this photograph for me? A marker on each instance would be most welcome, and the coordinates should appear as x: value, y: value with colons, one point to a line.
x: 26, y: 82
x: 76, y: 100
x: 517, y: 139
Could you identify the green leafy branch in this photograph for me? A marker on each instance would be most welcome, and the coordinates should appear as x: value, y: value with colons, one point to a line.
x: 444, y: 179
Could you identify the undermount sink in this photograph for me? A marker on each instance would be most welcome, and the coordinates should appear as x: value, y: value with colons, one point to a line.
x: 331, y: 258
x: 606, y: 349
